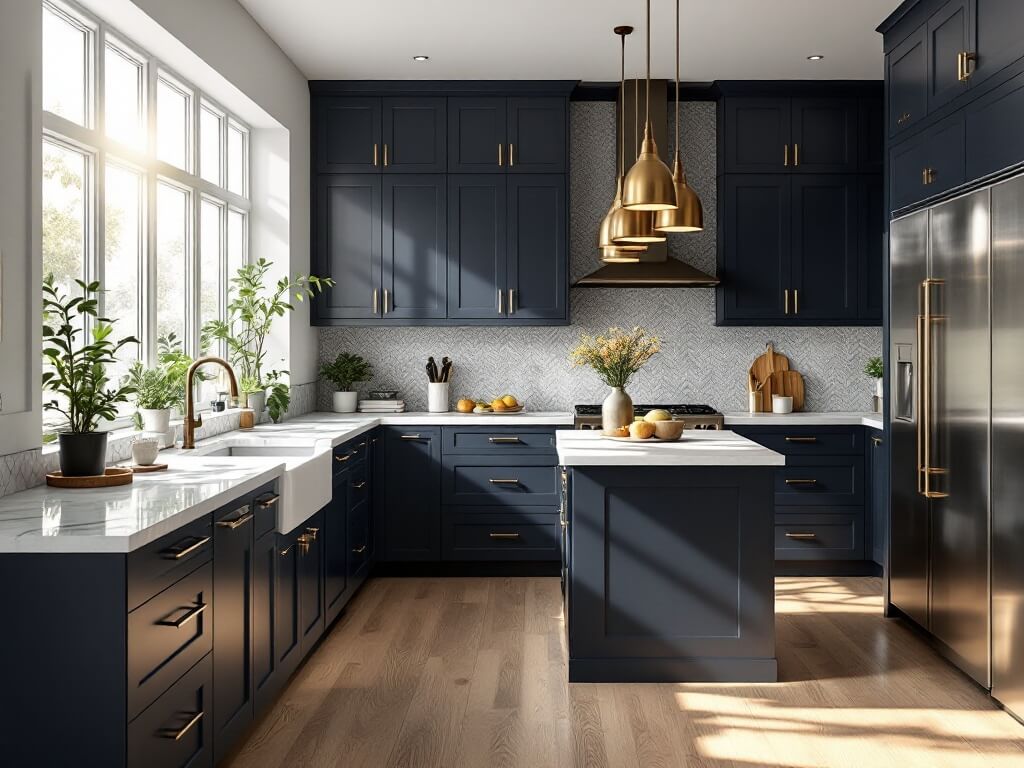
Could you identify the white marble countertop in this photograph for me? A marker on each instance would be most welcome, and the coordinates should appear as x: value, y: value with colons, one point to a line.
x: 697, y: 448
x: 122, y: 519
x: 804, y: 418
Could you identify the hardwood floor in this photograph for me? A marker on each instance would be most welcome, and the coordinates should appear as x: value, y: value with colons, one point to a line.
x: 472, y: 672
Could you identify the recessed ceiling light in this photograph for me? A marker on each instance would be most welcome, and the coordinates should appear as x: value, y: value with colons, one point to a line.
x: 421, y: 58
x: 815, y: 57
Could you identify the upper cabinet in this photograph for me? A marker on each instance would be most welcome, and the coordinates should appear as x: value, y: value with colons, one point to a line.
x: 995, y: 38
x: 907, y: 82
x: 441, y: 203
x: 947, y: 33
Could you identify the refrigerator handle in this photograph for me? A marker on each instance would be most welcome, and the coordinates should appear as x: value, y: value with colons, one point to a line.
x: 926, y: 320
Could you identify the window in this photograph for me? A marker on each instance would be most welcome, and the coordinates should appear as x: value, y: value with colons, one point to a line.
x: 150, y: 198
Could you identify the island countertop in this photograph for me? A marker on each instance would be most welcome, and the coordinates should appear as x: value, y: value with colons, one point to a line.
x: 697, y: 448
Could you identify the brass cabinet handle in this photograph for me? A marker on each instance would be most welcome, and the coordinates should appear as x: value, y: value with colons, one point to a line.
x: 499, y: 154
x: 385, y: 301
x: 796, y: 155
x: 511, y: 300
x: 375, y: 301
x: 501, y: 301
x: 902, y: 118
x: 359, y: 550
x: 498, y: 481
x: 268, y: 502
x: 303, y: 541
x: 361, y: 445
x: 963, y: 65
x: 185, y: 618
x: 360, y: 485
x: 509, y: 439
x: 801, y: 535
x: 375, y: 154
x: 503, y: 535
x: 801, y: 439
x: 385, y: 155
x: 287, y: 549
x: 876, y: 441
x: 177, y: 735
x: 173, y: 554
x: 411, y: 437
x: 511, y: 154
x: 796, y: 301
x: 785, y: 155
x: 799, y: 481
x: 927, y: 176
x: 785, y: 300
x: 312, y: 533
x: 238, y: 522
x: 343, y: 458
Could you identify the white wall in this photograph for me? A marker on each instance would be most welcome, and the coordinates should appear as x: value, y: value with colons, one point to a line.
x: 20, y: 223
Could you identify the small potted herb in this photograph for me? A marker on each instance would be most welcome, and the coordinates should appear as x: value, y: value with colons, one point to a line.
x: 344, y: 371
x: 873, y: 370
x: 155, y: 395
x: 76, y: 371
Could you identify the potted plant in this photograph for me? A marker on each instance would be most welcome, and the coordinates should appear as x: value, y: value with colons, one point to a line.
x: 250, y: 315
x: 154, y: 394
x: 344, y: 371
x: 616, y: 357
x: 278, y: 395
x: 873, y: 369
x: 77, y: 373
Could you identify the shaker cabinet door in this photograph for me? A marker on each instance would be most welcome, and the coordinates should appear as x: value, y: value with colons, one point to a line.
x: 947, y: 41
x: 415, y: 250
x: 824, y: 135
x: 414, y: 135
x: 536, y: 135
x: 907, y: 81
x: 477, y: 243
x: 348, y: 135
x: 411, y: 511
x: 757, y: 135
x: 537, y: 244
x: 995, y: 37
x: 477, y: 134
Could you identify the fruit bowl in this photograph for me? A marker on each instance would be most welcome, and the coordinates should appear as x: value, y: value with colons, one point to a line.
x: 668, y: 430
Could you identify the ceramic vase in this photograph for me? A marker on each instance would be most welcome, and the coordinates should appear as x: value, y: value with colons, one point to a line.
x: 345, y: 402
x: 616, y: 410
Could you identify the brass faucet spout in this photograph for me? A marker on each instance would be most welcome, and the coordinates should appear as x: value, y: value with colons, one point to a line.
x: 191, y: 422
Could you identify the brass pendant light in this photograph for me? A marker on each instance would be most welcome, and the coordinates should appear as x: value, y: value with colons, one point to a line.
x: 612, y: 252
x: 628, y: 226
x: 648, y: 185
x: 688, y: 216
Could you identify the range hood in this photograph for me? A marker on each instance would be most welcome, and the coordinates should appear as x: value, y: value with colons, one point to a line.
x: 656, y: 269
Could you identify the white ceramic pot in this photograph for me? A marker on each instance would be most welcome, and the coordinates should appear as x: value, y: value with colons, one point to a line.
x: 155, y: 419
x: 145, y: 450
x: 616, y: 410
x: 782, y: 404
x: 437, y: 397
x: 879, y: 390
x: 258, y: 403
x: 345, y: 402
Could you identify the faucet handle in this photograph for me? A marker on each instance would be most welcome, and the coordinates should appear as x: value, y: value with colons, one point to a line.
x: 197, y: 421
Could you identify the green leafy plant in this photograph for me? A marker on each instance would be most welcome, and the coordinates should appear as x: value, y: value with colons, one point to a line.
x: 279, y: 395
x: 345, y: 370
x: 250, y: 315
x: 617, y: 355
x: 78, y: 371
x: 154, y: 388
x: 873, y: 368
x: 171, y: 355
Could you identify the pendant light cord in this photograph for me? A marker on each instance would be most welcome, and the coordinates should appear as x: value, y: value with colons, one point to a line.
x: 679, y: 153
x: 621, y: 118
x: 647, y: 105
x: 636, y: 116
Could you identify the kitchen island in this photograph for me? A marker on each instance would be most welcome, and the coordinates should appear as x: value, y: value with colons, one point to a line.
x: 668, y: 558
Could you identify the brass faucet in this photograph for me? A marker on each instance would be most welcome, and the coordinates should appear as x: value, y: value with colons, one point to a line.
x: 191, y: 421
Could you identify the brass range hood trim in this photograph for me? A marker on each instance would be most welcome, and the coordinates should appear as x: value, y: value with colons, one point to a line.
x: 669, y: 273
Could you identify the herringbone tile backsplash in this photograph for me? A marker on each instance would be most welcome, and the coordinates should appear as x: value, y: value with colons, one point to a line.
x: 699, y: 362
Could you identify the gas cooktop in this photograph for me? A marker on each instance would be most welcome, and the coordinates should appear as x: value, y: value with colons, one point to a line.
x: 677, y: 411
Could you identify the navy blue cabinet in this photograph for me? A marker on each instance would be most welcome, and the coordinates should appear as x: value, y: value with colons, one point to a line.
x: 878, y: 519
x: 871, y: 246
x: 992, y: 133
x: 537, y: 134
x: 495, y: 134
x: 995, y: 38
x: 928, y: 163
x: 906, y: 78
x: 824, y: 134
x: 414, y: 136
x: 347, y: 133
x: 335, y: 539
x: 287, y: 604
x: 756, y: 135
x: 947, y: 34
x: 536, y: 271
x: 409, y: 526
x: 477, y: 246
x: 311, y: 585
x: 265, y: 678
x: 414, y: 233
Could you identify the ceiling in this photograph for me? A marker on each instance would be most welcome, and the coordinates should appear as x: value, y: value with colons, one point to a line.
x: 573, y: 39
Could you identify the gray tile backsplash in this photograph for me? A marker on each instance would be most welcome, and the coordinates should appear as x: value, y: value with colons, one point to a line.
x: 699, y: 362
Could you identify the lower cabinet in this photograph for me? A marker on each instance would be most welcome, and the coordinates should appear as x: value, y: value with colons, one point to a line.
x: 410, y: 491
x: 335, y: 540
x: 266, y: 681
x: 287, y: 604
x: 878, y: 500
x: 311, y: 586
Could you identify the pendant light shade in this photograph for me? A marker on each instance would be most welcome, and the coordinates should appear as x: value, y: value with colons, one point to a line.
x: 688, y: 215
x: 630, y: 227
x: 648, y: 185
x: 614, y: 255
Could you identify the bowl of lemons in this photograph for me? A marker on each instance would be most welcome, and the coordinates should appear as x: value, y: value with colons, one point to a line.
x: 498, y: 405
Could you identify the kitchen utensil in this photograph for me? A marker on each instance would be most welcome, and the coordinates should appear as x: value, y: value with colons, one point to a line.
x: 437, y: 397
x: 446, y: 369
x: 782, y: 404
x: 790, y: 384
x: 431, y: 371
x: 763, y: 367
x: 111, y: 477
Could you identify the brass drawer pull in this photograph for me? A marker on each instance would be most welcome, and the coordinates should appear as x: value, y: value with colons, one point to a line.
x: 927, y: 176
x: 359, y: 550
x: 185, y: 618
x: 385, y: 155
x: 785, y: 300
x: 503, y: 440
x: 375, y: 155
x: 411, y: 437
x: 796, y: 155
x: 804, y: 536
x: 361, y: 445
x: 903, y: 118
x: 801, y: 439
x: 375, y: 301
x: 511, y: 154
x: 876, y: 441
x: 793, y: 481
x: 312, y: 533
x: 286, y: 550
x: 498, y: 481
x: 785, y: 155
x: 342, y: 458
x: 172, y: 554
x: 268, y: 502
x: 511, y: 301
x: 499, y: 155
x: 177, y: 735
x: 238, y: 522
x: 357, y: 486
x: 505, y: 536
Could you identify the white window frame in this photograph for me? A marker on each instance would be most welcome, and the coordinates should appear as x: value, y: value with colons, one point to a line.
x: 92, y: 140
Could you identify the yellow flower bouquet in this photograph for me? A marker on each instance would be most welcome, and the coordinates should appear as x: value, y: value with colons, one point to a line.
x: 616, y: 355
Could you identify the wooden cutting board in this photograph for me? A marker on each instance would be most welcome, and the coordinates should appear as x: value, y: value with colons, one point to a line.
x: 788, y: 384
x: 762, y: 369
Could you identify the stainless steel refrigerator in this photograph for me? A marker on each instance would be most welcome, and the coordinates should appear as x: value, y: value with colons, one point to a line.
x: 957, y: 430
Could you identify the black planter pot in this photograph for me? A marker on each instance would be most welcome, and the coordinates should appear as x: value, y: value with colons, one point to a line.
x: 83, y: 453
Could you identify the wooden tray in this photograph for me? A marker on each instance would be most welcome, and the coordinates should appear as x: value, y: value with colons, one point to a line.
x: 143, y: 468
x: 113, y: 476
x: 517, y: 409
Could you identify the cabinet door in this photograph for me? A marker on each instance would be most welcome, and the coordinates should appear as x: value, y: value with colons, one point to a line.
x: 348, y: 246
x: 870, y: 247
x: 311, y: 593
x: 537, y: 248
x: 476, y: 246
x: 927, y: 164
x: 335, y: 539
x: 995, y: 37
x: 824, y: 225
x: 415, y: 255
x: 879, y: 513
x: 232, y: 624
x: 536, y: 135
x: 414, y: 135
x: 907, y: 81
x: 824, y: 135
x: 265, y: 680
x: 348, y: 134
x: 757, y: 135
x: 359, y: 543
x: 994, y: 140
x: 755, y: 267
x: 477, y: 134
x: 411, y: 488
x: 287, y: 621
x: 947, y: 40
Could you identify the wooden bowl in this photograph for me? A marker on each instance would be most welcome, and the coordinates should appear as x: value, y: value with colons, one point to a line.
x: 668, y: 430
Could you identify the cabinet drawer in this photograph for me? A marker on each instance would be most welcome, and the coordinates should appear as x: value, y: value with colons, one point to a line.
x: 812, y: 537
x: 526, y: 482
x: 158, y: 565
x: 498, y: 540
x: 821, y: 480
x: 928, y: 164
x: 265, y: 504
x: 167, y: 635
x: 802, y: 441
x: 500, y: 441
x: 177, y: 729
x: 348, y: 454
x: 994, y: 138
x: 359, y: 484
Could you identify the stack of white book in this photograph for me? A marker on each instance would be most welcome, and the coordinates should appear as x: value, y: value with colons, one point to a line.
x: 381, y: 406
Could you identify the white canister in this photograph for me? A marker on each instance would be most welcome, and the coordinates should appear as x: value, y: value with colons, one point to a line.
x: 782, y: 404
x: 437, y: 397
x: 345, y: 402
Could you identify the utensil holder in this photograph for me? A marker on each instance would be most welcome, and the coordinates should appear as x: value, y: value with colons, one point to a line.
x: 437, y: 397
